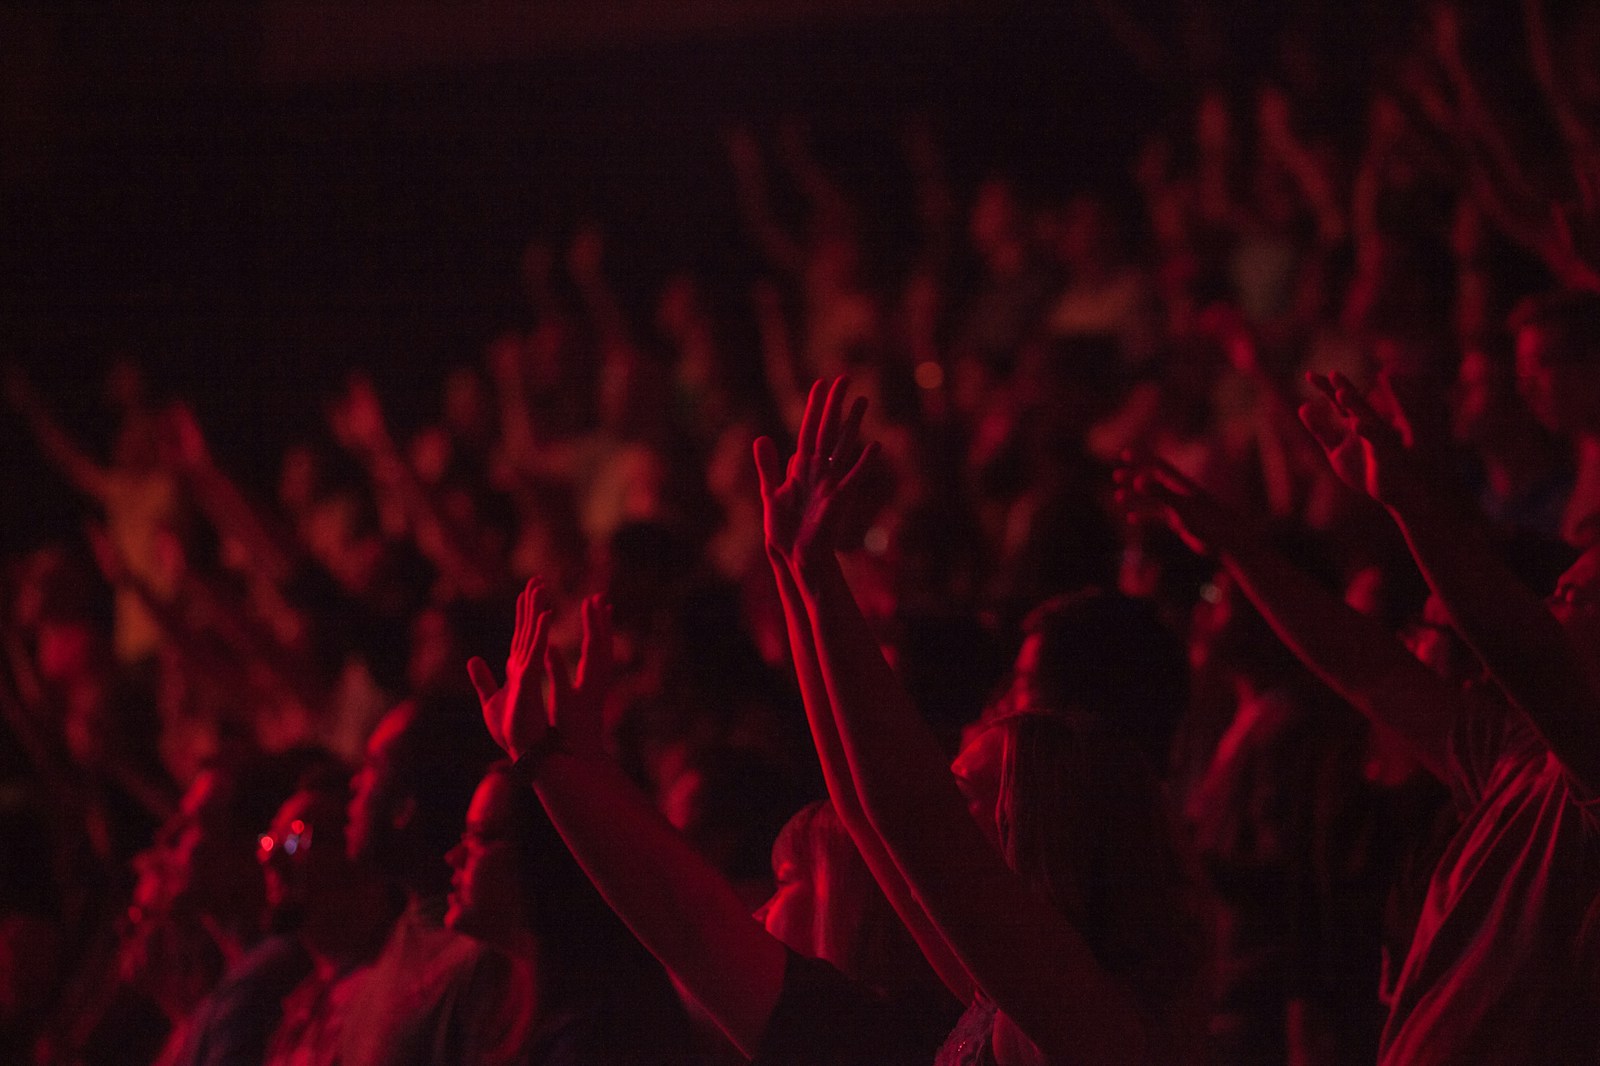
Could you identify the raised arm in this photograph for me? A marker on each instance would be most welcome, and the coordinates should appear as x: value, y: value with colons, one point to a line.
x: 269, y: 553
x: 1356, y: 656
x: 777, y: 354
x: 782, y: 250
x: 782, y: 492
x: 1019, y: 951
x: 359, y: 424
x: 1583, y: 144
x: 678, y: 905
x: 1525, y: 649
x: 86, y: 475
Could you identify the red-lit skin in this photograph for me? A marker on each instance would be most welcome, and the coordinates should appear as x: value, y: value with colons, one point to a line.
x: 1479, y: 407
x: 1576, y: 605
x: 795, y: 912
x: 977, y: 772
x: 1563, y: 392
x: 193, y: 884
x: 486, y: 891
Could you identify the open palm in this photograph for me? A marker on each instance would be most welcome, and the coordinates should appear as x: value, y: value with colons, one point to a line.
x: 515, y: 714
x: 805, y: 504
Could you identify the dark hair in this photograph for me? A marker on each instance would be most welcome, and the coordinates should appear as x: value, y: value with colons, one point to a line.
x: 1082, y: 818
x: 584, y: 948
x: 438, y: 760
x: 257, y: 783
x: 1109, y: 656
x: 1081, y: 811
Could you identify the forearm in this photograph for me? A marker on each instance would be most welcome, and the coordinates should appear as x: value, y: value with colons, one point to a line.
x: 236, y: 518
x: 433, y: 533
x: 63, y: 452
x: 1023, y: 954
x: 673, y: 900
x: 1353, y: 654
x: 842, y: 791
x: 1521, y: 644
x: 896, y: 764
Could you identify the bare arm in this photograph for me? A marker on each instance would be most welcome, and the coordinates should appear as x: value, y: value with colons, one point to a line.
x: 1021, y: 952
x: 1582, y: 144
x: 84, y: 473
x: 1316, y: 185
x: 1525, y: 649
x: 778, y: 497
x: 678, y: 905
x: 229, y: 510
x: 1353, y: 654
x: 360, y: 425
x: 782, y: 250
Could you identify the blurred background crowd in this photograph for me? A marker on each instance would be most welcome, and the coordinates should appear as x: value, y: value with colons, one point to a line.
x: 295, y: 405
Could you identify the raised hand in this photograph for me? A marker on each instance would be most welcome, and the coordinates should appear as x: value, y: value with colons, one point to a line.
x: 806, y: 506
x: 577, y: 705
x: 515, y: 714
x: 357, y: 418
x: 185, y: 439
x: 1368, y: 452
x: 1150, y: 489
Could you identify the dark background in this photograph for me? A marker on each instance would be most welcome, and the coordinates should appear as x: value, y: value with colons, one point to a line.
x: 251, y: 199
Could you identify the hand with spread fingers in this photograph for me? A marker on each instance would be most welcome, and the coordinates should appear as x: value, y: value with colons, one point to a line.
x: 807, y: 506
x: 1152, y: 490
x: 515, y: 714
x: 1367, y: 451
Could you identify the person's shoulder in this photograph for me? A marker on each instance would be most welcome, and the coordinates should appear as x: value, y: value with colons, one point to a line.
x: 276, y: 961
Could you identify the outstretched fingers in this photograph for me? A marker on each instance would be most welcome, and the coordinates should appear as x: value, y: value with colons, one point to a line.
x: 577, y: 706
x: 487, y: 688
x: 522, y: 704
x: 811, y: 421
x: 769, y: 466
x: 828, y: 432
x: 1330, y: 423
x: 858, y: 469
x: 1365, y: 419
x: 847, y: 448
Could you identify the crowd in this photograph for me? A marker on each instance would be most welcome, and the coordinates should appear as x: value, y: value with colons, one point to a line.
x: 1167, y: 631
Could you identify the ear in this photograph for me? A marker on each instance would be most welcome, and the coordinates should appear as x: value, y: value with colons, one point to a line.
x: 404, y: 813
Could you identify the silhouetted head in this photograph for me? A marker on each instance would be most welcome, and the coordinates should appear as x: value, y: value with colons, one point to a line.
x: 410, y: 796
x: 1558, y: 359
x: 826, y: 904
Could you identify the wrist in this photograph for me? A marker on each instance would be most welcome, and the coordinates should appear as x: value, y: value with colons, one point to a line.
x: 813, y: 561
x: 527, y: 764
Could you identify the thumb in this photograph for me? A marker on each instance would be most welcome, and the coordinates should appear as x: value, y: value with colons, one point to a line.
x: 769, y: 467
x: 1324, y: 429
x: 482, y: 679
